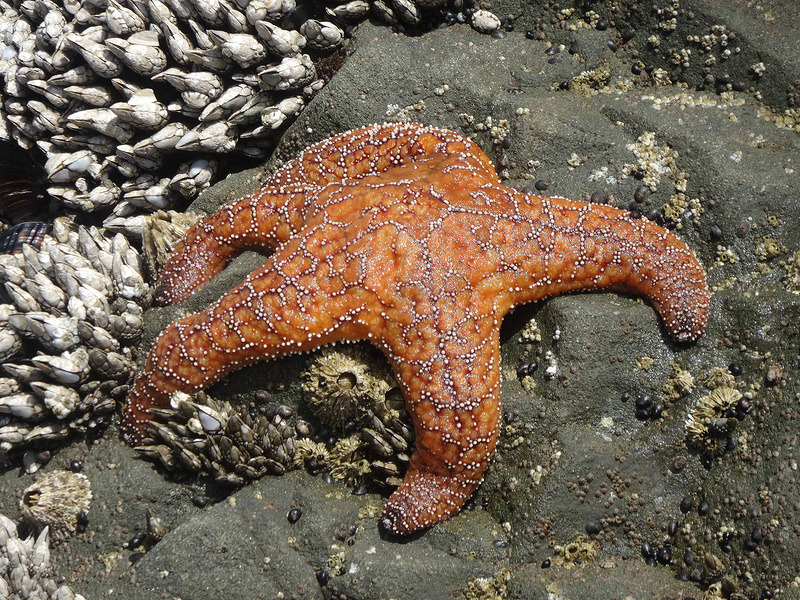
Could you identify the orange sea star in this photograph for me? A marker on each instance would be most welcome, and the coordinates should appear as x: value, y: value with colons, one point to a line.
x: 402, y: 235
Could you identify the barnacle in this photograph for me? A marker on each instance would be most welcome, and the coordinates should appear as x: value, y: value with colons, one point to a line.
x: 347, y: 460
x: 58, y: 500
x: 161, y: 233
x: 709, y: 426
x: 76, y: 297
x: 342, y: 383
x: 489, y: 588
x: 578, y: 551
x: 718, y: 377
x: 679, y: 384
x: 25, y: 569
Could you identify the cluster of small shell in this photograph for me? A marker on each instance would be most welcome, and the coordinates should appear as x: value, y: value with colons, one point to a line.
x: 76, y: 303
x: 352, y: 391
x: 116, y: 87
x: 365, y: 436
x: 58, y: 501
x: 25, y: 566
x: 134, y: 96
x: 710, y: 425
x: 235, y: 445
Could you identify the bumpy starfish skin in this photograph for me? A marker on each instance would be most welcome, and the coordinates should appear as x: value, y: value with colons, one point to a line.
x: 402, y: 235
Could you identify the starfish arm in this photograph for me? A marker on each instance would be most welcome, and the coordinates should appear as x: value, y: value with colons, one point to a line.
x: 376, y: 149
x: 562, y: 245
x: 279, y: 309
x: 453, y: 396
x: 263, y: 219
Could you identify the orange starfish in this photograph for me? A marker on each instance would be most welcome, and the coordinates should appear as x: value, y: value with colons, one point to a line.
x: 402, y: 235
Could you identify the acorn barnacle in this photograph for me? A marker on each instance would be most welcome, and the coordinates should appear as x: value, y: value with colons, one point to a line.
x: 712, y: 422
x: 57, y: 500
x: 343, y: 383
x: 718, y: 377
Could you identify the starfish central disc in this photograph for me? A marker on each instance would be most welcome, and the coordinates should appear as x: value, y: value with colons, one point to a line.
x: 402, y: 235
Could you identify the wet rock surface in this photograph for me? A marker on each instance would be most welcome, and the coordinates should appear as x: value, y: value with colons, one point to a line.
x: 595, y: 491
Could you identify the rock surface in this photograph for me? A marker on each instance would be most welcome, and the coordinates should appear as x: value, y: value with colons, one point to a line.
x: 581, y: 481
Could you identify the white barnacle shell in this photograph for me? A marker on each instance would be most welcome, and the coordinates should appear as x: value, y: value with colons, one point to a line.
x: 122, y: 20
x: 105, y: 194
x: 140, y: 52
x: 283, y: 42
x: 109, y: 364
x: 274, y: 116
x: 93, y: 95
x: 194, y: 177
x: 243, y: 48
x: 178, y: 43
x: 322, y: 35
x: 236, y: 19
x: 49, y: 296
x: 22, y: 299
x: 96, y: 55
x: 97, y: 337
x: 54, y: 94
x: 271, y: 10
x: 211, y: 58
x: 59, y: 399
x: 52, y: 27
x: 142, y: 110
x: 215, y: 137
x: 231, y: 100
x: 103, y: 121
x: 407, y: 11
x: 79, y: 75
x: 349, y: 11
x: 181, y: 9
x: 168, y: 137
x: 54, y: 333
x: 64, y: 167
x: 291, y: 72
x: 70, y: 368
x: 27, y: 407
x: 208, y: 84
x: 10, y: 342
x: 160, y: 13
x: 210, y: 420
x: 45, y: 117
x: 484, y: 21
x: 209, y: 11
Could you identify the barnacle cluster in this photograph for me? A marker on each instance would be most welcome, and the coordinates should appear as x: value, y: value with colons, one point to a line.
x: 237, y: 444
x: 792, y: 278
x: 59, y: 501
x: 350, y: 389
x: 161, y: 232
x: 710, y: 425
x: 25, y: 566
x: 132, y: 102
x: 578, y: 551
x: 342, y: 383
x: 201, y: 435
x: 489, y: 588
x: 74, y: 304
x: 718, y: 377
